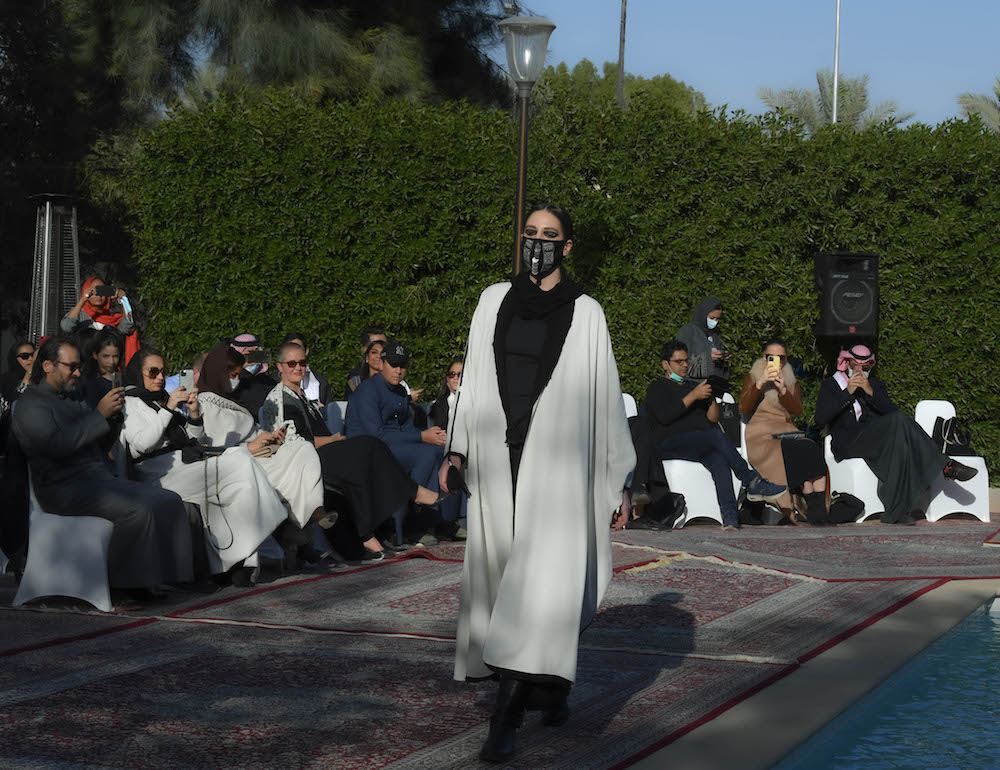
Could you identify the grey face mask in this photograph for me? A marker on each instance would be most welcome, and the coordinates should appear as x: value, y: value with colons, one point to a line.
x: 541, y: 257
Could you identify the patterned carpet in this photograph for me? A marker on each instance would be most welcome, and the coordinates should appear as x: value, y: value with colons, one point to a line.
x: 352, y: 669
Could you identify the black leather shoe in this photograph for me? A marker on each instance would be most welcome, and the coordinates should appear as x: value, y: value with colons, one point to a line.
x: 956, y: 471
x: 557, y: 715
x: 507, y: 717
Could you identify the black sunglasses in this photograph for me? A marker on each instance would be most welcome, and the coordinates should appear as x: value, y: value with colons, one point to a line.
x: 154, y: 371
x: 25, y: 356
x: 73, y: 366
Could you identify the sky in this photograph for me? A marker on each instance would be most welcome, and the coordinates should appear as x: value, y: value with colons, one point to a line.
x: 920, y: 53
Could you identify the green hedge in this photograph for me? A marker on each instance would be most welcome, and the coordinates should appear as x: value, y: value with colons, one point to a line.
x: 270, y: 214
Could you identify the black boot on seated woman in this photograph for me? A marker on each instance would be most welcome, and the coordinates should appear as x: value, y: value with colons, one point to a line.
x: 507, y: 717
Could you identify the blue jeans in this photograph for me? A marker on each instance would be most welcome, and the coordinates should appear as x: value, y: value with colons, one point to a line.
x: 712, y: 449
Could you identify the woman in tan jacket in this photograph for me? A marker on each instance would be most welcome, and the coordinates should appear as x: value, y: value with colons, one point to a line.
x: 770, y: 398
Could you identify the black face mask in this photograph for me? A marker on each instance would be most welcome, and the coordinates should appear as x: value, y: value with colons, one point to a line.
x: 541, y: 257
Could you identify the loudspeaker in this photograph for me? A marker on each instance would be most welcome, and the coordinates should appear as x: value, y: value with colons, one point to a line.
x: 848, y: 294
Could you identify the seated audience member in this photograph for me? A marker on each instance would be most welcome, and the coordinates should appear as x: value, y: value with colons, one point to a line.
x: 239, y: 507
x: 362, y: 371
x: 151, y: 541
x: 864, y: 422
x: 682, y: 421
x: 316, y: 386
x: 453, y: 507
x: 701, y: 334
x: 20, y: 357
x: 445, y: 402
x: 94, y: 312
x: 361, y: 467
x: 106, y: 351
x: 255, y: 381
x: 770, y: 398
x: 293, y: 468
x: 372, y: 365
x: 380, y: 408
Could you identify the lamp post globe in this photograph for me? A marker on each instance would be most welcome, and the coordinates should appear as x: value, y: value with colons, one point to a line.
x: 526, y: 39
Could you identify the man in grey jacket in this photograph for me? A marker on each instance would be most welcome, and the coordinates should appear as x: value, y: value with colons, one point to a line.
x: 151, y: 542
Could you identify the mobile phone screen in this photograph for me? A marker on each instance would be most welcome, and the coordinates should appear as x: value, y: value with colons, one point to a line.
x: 116, y: 380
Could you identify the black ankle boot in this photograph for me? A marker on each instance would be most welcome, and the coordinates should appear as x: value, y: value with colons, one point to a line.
x: 816, y: 512
x: 507, y: 717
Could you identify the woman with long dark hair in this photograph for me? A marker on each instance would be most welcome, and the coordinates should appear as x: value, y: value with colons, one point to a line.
x: 16, y: 380
x: 372, y: 364
x: 101, y: 362
x: 541, y: 436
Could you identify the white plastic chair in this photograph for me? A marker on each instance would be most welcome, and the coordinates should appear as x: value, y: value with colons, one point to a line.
x: 630, y: 408
x: 67, y: 556
x: 854, y: 477
x: 947, y: 497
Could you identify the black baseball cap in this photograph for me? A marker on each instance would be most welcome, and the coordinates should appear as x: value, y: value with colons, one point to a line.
x: 395, y: 353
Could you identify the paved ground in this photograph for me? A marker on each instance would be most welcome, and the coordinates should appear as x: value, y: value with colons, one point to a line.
x: 352, y: 668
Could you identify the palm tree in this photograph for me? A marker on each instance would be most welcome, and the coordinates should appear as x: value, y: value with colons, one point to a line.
x: 985, y: 106
x: 815, y: 108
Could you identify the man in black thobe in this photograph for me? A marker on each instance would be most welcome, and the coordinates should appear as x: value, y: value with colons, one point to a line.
x: 151, y: 541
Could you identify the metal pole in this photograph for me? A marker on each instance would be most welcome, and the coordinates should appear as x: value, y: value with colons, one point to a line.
x: 621, y: 60
x: 836, y: 64
x: 46, y: 259
x: 522, y: 177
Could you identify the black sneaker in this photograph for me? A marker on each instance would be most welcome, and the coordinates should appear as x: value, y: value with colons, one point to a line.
x: 956, y: 471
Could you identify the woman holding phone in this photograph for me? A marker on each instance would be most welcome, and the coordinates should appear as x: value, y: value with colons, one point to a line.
x: 770, y: 398
x: 239, y: 507
x: 93, y: 312
x: 102, y: 367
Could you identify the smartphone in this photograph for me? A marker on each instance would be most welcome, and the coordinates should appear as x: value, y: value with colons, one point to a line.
x: 186, y: 379
x: 774, y: 362
x: 116, y: 380
x: 104, y: 290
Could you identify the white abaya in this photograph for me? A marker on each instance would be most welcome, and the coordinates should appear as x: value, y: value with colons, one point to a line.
x: 294, y: 470
x: 532, y: 581
x: 239, y: 507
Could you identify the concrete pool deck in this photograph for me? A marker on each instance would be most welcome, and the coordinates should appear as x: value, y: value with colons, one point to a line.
x: 711, y: 650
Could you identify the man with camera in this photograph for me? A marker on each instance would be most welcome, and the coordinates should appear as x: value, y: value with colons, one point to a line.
x: 682, y: 415
x: 60, y: 436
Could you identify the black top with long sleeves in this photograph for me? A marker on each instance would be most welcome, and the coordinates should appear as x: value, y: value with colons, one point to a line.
x: 835, y: 410
x: 666, y: 412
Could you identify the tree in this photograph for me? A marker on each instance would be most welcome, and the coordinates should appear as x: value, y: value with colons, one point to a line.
x: 985, y: 106
x: 586, y: 84
x: 815, y: 108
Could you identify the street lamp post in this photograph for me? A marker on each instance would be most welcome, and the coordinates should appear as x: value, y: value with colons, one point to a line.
x: 526, y: 39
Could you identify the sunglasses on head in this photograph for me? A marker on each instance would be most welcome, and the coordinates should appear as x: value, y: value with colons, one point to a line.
x: 294, y: 364
x: 154, y: 371
x: 25, y: 356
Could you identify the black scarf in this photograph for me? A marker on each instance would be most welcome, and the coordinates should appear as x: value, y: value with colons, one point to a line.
x: 555, y: 308
x: 175, y: 436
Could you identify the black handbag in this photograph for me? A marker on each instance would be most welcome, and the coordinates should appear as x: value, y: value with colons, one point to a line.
x: 845, y: 508
x: 952, y: 438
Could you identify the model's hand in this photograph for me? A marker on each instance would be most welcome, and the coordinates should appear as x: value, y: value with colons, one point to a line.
x: 449, y: 462
x: 769, y: 375
x: 434, y: 436
x: 717, y: 355
x: 112, y: 402
x: 779, y: 383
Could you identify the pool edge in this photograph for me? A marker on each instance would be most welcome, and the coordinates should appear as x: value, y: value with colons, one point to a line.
x: 767, y: 726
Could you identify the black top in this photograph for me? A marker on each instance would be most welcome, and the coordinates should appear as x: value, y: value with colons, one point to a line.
x: 309, y: 423
x: 95, y: 389
x: 525, y: 341
x: 834, y: 409
x: 666, y: 412
x: 252, y: 391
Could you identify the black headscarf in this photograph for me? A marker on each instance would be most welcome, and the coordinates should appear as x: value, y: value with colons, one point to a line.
x: 555, y: 308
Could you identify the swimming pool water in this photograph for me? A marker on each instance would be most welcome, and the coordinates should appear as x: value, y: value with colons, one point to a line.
x: 940, y: 710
